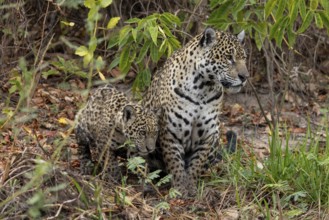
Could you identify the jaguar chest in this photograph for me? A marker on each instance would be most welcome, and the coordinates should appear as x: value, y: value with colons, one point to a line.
x: 190, y: 123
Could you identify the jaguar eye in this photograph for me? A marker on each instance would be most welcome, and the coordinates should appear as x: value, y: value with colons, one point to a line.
x: 230, y: 58
x: 143, y: 133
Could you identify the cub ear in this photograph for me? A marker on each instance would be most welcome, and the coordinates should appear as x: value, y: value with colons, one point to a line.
x: 129, y: 113
x: 208, y: 37
x: 241, y: 36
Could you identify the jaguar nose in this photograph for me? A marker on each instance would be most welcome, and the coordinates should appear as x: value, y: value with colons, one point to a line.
x: 242, y: 77
x: 150, y: 149
x: 226, y: 84
x: 138, y: 148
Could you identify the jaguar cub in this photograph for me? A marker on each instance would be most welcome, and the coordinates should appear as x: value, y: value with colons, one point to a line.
x: 107, y: 121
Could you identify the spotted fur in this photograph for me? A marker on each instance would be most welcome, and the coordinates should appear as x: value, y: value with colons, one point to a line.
x: 106, y: 122
x: 189, y: 89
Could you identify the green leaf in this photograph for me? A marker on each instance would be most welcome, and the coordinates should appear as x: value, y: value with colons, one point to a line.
x: 259, y: 40
x: 113, y: 22
x: 325, y: 20
x: 164, y: 45
x: 154, y: 53
x: 277, y: 30
x: 50, y: 73
x: 123, y: 35
x: 154, y: 34
x: 162, y: 206
x: 274, y: 29
x: 135, y: 162
x: 174, y: 20
x: 93, y: 14
x: 132, y: 20
x: 114, y: 63
x: 280, y: 35
x: 132, y: 54
x: 124, y: 59
x: 58, y: 187
x: 291, y: 37
x: 306, y: 23
x: 113, y: 41
x: 260, y: 27
x: 223, y: 10
x: 134, y: 34
x: 260, y: 33
x: 238, y: 7
x: 143, y: 51
x: 89, y: 3
x: 164, y: 180
x: 105, y: 3
x: 82, y: 51
x: 13, y: 89
x: 153, y: 175
x: 174, y: 42
x: 302, y: 9
x: 269, y: 7
x: 280, y: 10
x: 325, y: 5
x: 146, y: 76
x: 92, y: 44
x: 143, y: 79
x: 82, y: 195
x: 314, y: 4
x: 87, y: 58
x: 293, y: 11
x: 318, y: 21
x: 99, y: 64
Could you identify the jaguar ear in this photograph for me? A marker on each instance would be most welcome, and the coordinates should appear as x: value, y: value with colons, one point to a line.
x: 208, y: 37
x: 129, y: 113
x: 241, y: 36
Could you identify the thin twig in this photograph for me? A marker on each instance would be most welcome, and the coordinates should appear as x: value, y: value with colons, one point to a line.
x: 144, y: 176
x: 39, y: 144
x: 60, y: 207
x: 269, y: 73
x: 260, y: 105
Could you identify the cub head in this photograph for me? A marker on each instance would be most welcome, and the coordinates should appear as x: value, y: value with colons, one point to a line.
x: 224, y: 58
x: 141, y: 127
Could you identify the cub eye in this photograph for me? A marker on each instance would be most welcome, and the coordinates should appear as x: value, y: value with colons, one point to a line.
x: 143, y: 133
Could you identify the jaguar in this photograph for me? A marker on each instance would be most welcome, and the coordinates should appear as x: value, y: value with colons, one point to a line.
x: 106, y: 123
x: 189, y: 89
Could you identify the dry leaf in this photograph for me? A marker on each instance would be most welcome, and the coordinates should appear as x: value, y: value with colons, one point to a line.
x: 230, y: 214
x: 101, y: 75
x: 63, y: 121
x: 316, y: 108
x: 27, y: 129
x: 298, y: 130
x: 236, y: 109
x: 115, y: 73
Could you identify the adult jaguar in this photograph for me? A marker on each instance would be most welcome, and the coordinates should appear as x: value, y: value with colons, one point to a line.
x: 106, y: 122
x: 189, y: 88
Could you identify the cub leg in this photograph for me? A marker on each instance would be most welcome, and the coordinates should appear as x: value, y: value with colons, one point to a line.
x: 84, y: 144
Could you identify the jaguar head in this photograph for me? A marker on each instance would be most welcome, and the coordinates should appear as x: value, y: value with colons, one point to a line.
x: 225, y: 58
x: 141, y: 127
